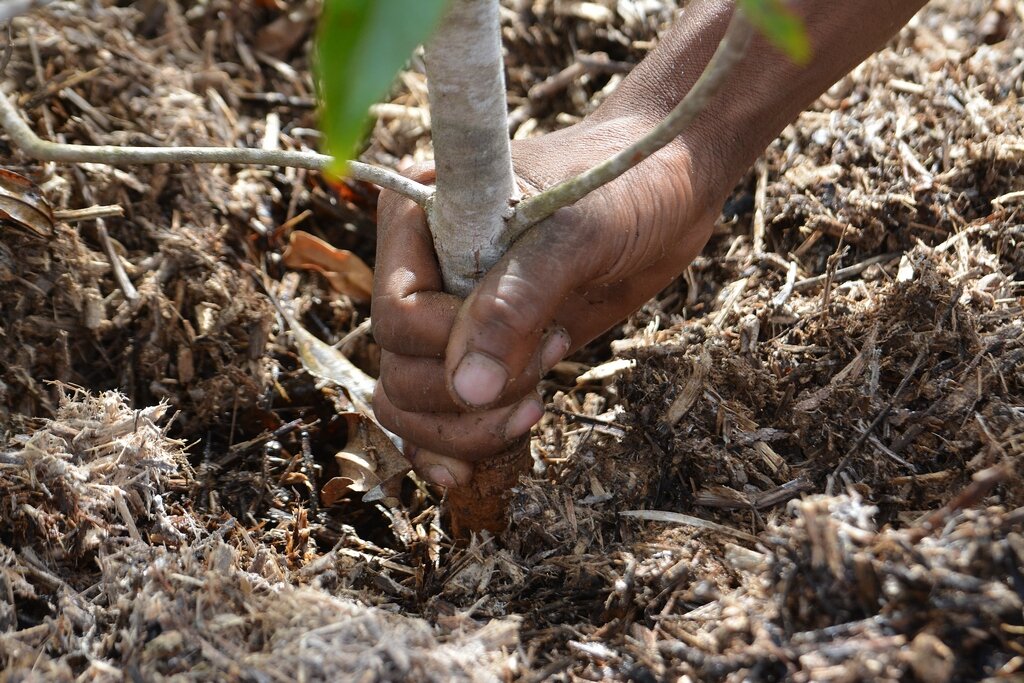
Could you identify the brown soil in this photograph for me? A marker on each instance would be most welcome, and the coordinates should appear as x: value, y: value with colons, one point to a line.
x: 824, y: 417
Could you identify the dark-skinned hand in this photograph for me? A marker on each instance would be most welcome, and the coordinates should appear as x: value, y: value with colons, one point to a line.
x: 458, y: 378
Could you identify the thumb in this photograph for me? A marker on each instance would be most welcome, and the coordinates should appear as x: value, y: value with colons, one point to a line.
x: 508, y: 326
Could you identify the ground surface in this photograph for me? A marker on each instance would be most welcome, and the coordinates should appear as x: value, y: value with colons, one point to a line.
x: 826, y: 413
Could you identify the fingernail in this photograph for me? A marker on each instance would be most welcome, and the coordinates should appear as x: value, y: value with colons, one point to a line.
x: 526, y: 414
x: 440, y: 475
x: 479, y: 380
x: 555, y: 347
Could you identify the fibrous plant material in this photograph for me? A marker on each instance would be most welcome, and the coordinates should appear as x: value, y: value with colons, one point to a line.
x: 576, y: 591
x: 90, y: 489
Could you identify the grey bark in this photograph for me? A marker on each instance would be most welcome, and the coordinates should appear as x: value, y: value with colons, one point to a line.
x: 472, y: 157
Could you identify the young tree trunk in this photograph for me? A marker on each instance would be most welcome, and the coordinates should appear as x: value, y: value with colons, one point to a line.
x: 472, y: 156
x: 475, y: 188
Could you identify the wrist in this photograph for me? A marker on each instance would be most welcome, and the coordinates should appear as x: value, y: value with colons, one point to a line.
x: 763, y: 92
x: 707, y: 150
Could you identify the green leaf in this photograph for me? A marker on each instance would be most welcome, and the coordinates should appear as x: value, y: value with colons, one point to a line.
x: 361, y: 45
x: 781, y: 26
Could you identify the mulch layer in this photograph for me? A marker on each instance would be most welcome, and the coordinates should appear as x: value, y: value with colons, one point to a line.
x: 802, y: 461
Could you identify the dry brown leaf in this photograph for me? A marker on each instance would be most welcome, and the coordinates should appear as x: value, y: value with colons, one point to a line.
x: 23, y: 204
x: 691, y: 391
x: 345, y: 271
x: 326, y: 362
x: 279, y: 37
x: 369, y: 459
x: 293, y: 478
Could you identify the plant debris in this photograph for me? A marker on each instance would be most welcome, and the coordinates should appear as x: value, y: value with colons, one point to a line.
x: 802, y: 461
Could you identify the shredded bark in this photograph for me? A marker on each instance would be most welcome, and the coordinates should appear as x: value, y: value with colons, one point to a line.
x: 821, y: 423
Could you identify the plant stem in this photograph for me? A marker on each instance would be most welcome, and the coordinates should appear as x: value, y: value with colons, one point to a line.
x: 42, y: 150
x: 472, y: 156
x: 484, y: 503
x: 475, y: 185
x: 534, y: 209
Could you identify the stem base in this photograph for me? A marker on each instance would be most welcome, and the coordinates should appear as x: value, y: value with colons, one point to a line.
x: 483, y: 504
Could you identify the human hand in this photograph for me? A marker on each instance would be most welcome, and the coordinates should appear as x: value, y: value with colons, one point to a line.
x: 458, y: 378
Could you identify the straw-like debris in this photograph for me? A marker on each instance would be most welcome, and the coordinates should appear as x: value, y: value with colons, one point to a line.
x: 103, y: 576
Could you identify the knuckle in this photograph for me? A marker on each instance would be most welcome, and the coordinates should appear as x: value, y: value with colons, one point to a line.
x: 388, y: 320
x: 386, y: 413
x: 466, y: 437
x: 406, y: 391
x: 507, y: 309
x: 387, y: 202
x: 381, y: 317
x: 391, y: 383
x: 477, y: 440
x: 392, y: 210
x: 629, y: 243
x: 388, y: 379
x: 521, y: 385
x: 584, y: 237
x: 391, y: 205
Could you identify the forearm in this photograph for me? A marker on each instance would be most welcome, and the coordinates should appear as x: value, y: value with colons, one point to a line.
x: 766, y: 90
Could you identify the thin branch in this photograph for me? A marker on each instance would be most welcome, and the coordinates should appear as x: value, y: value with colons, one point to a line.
x: 14, y: 8
x: 89, y: 213
x: 844, y: 273
x: 389, y: 180
x: 116, y: 267
x: 687, y: 520
x: 534, y: 209
x: 42, y: 150
x: 8, y: 49
x: 760, y: 192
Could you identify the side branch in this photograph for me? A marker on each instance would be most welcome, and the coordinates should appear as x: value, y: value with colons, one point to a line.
x: 534, y: 209
x: 22, y: 136
x: 13, y: 8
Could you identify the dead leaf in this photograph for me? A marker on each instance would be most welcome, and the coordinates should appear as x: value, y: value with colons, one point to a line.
x: 326, y: 362
x: 293, y: 478
x: 368, y: 460
x: 279, y: 37
x: 692, y: 390
x: 23, y: 204
x: 390, y: 467
x: 334, y: 490
x: 346, y: 272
